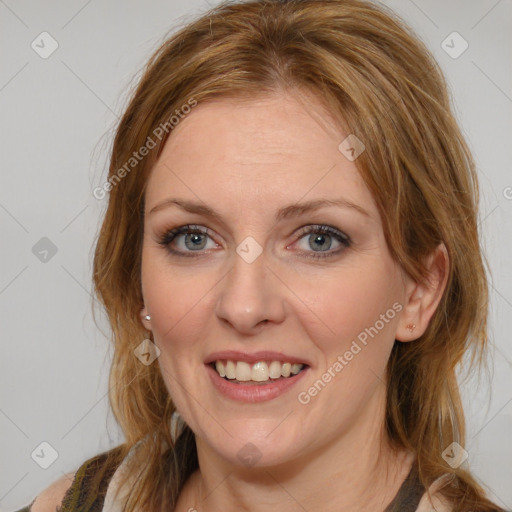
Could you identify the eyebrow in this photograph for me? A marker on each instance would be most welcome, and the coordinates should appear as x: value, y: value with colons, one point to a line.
x: 292, y: 210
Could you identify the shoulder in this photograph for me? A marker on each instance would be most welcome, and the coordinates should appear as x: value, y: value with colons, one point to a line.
x: 85, y: 486
x: 52, y: 496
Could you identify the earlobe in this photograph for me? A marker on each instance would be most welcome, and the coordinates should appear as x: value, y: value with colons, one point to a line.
x: 146, y: 318
x: 410, y: 327
x: 424, y: 298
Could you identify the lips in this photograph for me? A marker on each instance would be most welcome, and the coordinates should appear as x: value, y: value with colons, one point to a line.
x: 254, y: 391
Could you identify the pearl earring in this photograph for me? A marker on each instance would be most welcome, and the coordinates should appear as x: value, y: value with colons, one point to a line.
x: 411, y: 327
x: 147, y: 317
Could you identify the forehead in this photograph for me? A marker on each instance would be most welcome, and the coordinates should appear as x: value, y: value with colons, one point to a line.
x: 257, y: 153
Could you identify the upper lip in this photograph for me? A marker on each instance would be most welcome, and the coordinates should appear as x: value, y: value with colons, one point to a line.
x: 254, y: 357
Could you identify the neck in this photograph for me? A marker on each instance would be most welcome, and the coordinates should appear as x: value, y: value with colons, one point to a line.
x: 357, y: 472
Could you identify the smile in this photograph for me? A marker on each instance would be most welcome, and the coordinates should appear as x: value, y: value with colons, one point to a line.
x: 261, y: 371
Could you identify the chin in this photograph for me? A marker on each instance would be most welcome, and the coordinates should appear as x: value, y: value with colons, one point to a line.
x: 253, y: 443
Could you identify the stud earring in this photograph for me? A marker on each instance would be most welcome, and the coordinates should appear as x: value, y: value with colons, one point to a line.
x: 411, y: 327
x: 147, y: 317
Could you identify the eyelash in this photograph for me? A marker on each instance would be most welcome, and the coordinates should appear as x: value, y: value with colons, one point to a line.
x: 171, y: 235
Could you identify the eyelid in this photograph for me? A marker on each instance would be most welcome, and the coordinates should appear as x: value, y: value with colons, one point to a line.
x: 171, y: 234
x: 322, y: 228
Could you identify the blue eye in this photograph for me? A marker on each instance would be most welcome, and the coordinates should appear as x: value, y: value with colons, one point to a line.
x: 323, y: 240
x: 195, y: 240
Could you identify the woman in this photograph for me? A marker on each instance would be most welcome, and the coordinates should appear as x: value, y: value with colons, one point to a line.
x: 291, y: 267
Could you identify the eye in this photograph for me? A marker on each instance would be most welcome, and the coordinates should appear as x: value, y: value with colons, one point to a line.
x: 188, y: 238
x: 320, y: 239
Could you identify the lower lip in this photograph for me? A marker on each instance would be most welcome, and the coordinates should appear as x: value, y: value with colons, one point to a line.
x: 253, y: 393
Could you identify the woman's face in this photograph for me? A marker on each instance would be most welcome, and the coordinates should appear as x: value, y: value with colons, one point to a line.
x: 258, y: 288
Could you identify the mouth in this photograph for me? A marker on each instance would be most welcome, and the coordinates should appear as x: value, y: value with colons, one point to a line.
x: 260, y: 372
x: 255, y: 377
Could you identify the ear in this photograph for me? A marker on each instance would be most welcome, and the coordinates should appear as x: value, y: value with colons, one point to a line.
x: 145, y: 318
x: 422, y: 299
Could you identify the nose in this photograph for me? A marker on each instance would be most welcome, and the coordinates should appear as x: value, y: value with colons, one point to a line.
x: 250, y: 296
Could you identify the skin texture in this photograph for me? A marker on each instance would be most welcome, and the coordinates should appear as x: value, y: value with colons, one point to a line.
x: 247, y: 159
x: 51, y: 497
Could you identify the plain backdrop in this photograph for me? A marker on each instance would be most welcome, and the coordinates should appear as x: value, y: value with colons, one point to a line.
x: 57, y: 116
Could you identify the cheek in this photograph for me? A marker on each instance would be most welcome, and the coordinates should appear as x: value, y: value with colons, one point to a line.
x: 359, y: 311
x: 174, y: 297
x: 180, y: 302
x: 176, y: 314
x: 352, y: 301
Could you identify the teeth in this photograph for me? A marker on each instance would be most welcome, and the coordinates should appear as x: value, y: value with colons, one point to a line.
x: 230, y: 370
x: 243, y: 371
x: 219, y: 366
x: 275, y: 370
x: 258, y: 372
x: 296, y: 368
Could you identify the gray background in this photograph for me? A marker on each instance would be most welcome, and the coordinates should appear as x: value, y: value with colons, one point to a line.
x: 56, y: 126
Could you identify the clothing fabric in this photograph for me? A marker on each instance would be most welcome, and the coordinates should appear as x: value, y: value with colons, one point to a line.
x: 409, y: 495
x: 88, y: 489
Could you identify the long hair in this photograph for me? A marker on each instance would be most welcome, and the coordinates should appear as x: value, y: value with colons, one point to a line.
x: 382, y: 85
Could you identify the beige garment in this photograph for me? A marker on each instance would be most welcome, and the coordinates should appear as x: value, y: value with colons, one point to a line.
x: 112, y: 502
